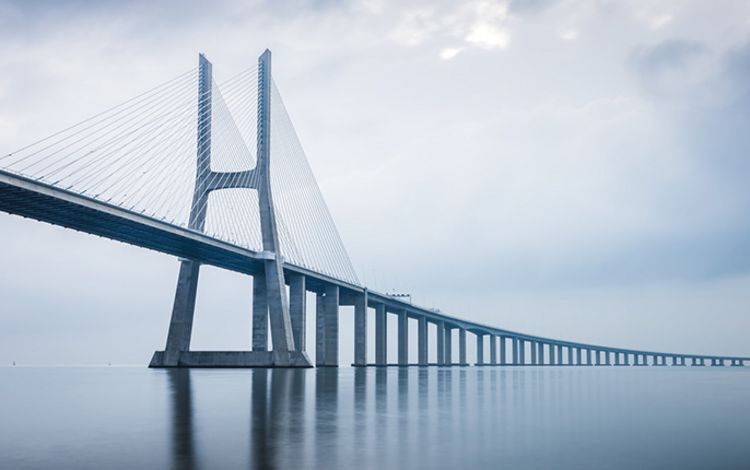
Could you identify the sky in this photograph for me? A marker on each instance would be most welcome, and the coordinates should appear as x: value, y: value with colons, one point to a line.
x: 574, y: 169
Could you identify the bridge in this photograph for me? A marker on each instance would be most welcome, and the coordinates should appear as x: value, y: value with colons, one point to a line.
x: 214, y: 174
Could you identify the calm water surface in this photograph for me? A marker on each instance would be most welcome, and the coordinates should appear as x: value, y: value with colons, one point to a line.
x: 561, y: 418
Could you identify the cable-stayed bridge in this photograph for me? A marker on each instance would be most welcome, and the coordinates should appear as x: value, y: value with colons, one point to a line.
x: 214, y: 173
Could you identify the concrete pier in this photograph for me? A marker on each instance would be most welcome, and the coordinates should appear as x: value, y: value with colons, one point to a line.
x: 448, y: 345
x: 422, y: 344
x: 440, y: 342
x: 403, y: 338
x: 493, y: 349
x: 320, y: 330
x: 331, y: 323
x: 298, y: 312
x: 260, y: 314
x: 480, y: 349
x: 381, y: 335
x: 503, y: 353
x: 360, y: 329
x: 462, y: 346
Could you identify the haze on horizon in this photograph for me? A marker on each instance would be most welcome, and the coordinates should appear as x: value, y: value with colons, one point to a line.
x: 573, y: 169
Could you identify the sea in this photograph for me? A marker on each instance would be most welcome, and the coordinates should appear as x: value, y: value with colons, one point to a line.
x: 375, y: 418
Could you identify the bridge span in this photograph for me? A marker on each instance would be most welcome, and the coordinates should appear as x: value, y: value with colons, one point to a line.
x: 109, y: 177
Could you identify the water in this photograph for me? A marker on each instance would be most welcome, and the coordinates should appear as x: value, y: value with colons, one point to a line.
x: 561, y: 418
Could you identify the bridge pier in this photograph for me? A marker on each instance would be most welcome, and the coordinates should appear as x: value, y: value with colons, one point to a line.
x: 298, y: 310
x: 440, y: 342
x: 493, y: 349
x: 533, y: 351
x: 480, y: 349
x: 360, y: 329
x: 448, y: 345
x: 503, y: 352
x: 260, y: 313
x: 462, y: 346
x: 422, y: 345
x: 381, y: 335
x: 403, y: 338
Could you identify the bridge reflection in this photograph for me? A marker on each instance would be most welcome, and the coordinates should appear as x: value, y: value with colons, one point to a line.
x: 418, y: 417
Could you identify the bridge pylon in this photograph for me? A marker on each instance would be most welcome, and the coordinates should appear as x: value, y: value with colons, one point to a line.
x: 270, y: 300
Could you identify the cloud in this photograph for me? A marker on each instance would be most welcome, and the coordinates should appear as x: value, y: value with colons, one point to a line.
x: 569, y: 35
x: 449, y: 53
x: 671, y: 54
x: 530, y: 6
x: 671, y: 67
x: 479, y: 23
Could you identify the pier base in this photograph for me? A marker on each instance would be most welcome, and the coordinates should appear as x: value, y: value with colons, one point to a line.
x: 234, y: 359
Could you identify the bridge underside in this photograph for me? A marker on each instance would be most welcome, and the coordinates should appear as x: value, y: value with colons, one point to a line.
x: 34, y: 200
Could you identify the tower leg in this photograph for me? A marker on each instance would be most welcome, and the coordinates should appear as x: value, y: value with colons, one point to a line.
x: 183, y: 310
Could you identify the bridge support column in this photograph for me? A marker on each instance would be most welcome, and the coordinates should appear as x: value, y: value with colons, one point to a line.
x: 493, y: 349
x: 320, y: 330
x: 540, y: 353
x: 403, y: 338
x: 422, y: 341
x: 448, y: 345
x: 260, y: 313
x: 331, y: 324
x: 462, y: 346
x: 298, y: 310
x: 440, y: 342
x: 360, y: 329
x: 579, y: 359
x: 552, y: 359
x: 480, y: 349
x: 381, y: 335
x: 503, y: 352
x: 533, y: 347
x: 514, y: 350
x: 522, y: 352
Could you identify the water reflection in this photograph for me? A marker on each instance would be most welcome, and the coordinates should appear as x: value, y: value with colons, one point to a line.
x: 183, y: 450
x: 436, y: 418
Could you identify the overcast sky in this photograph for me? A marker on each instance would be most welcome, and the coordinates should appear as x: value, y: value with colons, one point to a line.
x: 576, y: 169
